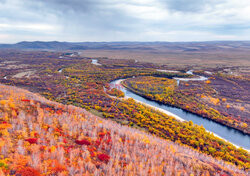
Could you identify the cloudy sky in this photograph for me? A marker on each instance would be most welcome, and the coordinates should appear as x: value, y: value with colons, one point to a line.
x: 124, y: 20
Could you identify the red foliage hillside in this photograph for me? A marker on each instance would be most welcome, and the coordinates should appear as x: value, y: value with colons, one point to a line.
x: 36, y: 140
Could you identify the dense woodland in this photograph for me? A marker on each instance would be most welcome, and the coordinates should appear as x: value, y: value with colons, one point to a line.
x: 75, y: 81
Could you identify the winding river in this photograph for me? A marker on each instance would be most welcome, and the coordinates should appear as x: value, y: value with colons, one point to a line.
x: 199, y: 78
x: 229, y: 134
x: 95, y: 62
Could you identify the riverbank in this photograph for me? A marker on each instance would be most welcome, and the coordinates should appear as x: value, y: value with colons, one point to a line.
x: 233, y: 136
x: 182, y: 120
x: 153, y: 107
x: 188, y: 109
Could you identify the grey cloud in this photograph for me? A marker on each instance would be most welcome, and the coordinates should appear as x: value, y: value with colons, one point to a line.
x: 88, y: 14
x: 110, y: 20
x: 189, y: 6
x: 64, y: 6
x: 77, y: 6
x: 72, y: 15
x: 229, y: 28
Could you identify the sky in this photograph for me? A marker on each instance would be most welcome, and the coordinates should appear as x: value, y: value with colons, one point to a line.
x: 124, y: 20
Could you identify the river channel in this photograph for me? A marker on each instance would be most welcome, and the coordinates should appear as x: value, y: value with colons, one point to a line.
x: 229, y: 134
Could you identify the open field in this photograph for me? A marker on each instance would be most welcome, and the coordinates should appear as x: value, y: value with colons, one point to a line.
x: 178, y: 59
x: 182, y: 54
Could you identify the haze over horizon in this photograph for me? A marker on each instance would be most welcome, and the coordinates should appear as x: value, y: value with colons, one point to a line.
x: 131, y: 20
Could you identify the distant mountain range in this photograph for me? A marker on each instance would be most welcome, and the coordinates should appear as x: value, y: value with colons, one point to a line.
x: 181, y: 46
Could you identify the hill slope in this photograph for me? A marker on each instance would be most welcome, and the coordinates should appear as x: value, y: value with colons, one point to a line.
x: 40, y: 137
x: 152, y: 46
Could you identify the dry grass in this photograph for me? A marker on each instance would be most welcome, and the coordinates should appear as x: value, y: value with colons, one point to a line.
x: 177, y: 58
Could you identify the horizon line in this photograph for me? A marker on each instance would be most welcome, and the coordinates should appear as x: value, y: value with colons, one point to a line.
x: 129, y: 41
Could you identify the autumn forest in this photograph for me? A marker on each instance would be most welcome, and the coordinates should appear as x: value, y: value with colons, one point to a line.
x: 61, y: 116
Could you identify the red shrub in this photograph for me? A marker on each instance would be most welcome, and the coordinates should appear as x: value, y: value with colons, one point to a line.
x: 25, y: 100
x: 65, y: 141
x: 103, y: 157
x: 42, y: 148
x: 29, y: 171
x: 59, y: 112
x: 109, y: 141
x: 67, y: 149
x: 92, y: 151
x: 58, y: 168
x: 83, y: 142
x: 32, y: 140
x: 97, y: 142
x: 102, y: 134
